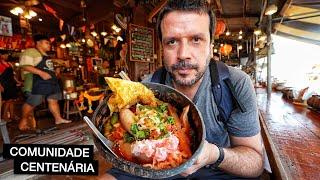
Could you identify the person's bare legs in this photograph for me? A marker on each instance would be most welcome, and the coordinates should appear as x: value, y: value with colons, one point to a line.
x: 106, y: 176
x: 11, y: 107
x: 55, y: 110
x: 5, y: 111
x: 26, y: 113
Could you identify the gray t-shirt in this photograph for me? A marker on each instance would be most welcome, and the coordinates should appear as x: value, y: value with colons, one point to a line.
x: 239, y: 124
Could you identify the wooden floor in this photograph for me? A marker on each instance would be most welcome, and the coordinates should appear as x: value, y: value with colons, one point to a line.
x: 295, y: 132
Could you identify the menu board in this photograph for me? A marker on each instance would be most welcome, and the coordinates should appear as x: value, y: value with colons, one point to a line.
x: 141, y: 43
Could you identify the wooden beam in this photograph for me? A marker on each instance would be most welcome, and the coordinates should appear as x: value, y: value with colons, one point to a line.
x: 244, y: 10
x: 263, y: 8
x: 156, y: 10
x: 285, y: 7
x: 219, y: 6
x: 8, y: 4
x: 247, y: 5
x: 307, y: 3
x: 108, y: 17
x: 226, y: 16
x: 66, y: 4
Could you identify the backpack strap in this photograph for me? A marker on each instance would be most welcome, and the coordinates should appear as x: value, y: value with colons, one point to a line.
x: 223, y: 90
x: 159, y: 76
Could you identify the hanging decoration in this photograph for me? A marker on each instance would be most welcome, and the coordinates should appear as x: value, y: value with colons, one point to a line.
x: 83, y: 28
x: 72, y: 30
x: 83, y: 4
x: 220, y: 28
x: 226, y: 49
x: 122, y: 21
x: 89, y: 64
x: 91, y: 26
x: 63, y: 37
x: 105, y: 40
x: 61, y: 22
x: 120, y: 3
x: 114, y: 42
x: 50, y: 10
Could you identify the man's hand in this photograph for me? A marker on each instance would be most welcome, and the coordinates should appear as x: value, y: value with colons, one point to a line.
x: 208, y: 155
x: 45, y: 75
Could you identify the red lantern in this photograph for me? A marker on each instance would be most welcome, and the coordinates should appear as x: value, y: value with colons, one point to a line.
x: 226, y: 49
x: 220, y: 27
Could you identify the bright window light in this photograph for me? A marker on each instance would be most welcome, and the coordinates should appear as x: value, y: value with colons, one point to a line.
x: 294, y: 62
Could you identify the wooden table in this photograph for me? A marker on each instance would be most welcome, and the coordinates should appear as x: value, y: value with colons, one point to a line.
x: 294, y: 131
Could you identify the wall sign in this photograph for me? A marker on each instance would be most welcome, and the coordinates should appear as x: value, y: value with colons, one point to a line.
x: 141, y: 46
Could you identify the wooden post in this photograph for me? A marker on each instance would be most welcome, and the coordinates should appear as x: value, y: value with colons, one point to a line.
x: 269, y: 83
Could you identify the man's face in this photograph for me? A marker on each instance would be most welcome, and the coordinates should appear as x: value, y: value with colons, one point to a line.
x: 186, y: 46
x: 44, y: 45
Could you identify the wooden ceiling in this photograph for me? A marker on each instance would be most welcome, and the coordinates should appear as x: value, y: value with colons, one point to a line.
x: 299, y: 19
x: 238, y: 14
x: 295, y: 18
x: 69, y: 11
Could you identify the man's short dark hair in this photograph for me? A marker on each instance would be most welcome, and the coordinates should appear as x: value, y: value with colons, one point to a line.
x: 39, y: 37
x: 197, y: 6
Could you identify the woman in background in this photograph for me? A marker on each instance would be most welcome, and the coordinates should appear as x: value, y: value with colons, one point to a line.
x: 8, y: 88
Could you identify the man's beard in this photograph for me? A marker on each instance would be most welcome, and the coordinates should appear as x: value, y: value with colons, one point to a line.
x: 183, y: 64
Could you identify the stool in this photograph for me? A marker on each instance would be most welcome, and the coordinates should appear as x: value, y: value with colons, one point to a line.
x: 67, y: 112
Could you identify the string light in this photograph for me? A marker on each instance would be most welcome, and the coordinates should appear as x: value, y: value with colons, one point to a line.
x: 119, y: 38
x: 103, y: 33
x: 94, y: 34
x: 257, y: 32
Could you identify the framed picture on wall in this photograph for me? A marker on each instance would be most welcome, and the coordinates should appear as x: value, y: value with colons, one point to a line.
x: 5, y: 26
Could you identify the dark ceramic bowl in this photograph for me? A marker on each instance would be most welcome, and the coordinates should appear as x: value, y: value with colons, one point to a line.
x: 166, y: 94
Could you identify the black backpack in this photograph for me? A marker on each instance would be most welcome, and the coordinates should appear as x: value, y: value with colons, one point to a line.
x: 222, y: 89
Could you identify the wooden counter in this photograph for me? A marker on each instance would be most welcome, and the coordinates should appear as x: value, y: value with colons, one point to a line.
x: 294, y: 135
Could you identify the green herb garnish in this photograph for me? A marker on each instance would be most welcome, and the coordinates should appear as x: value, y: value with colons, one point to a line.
x: 114, y: 118
x: 134, y: 128
x: 142, y: 134
x: 128, y: 137
x: 162, y: 108
x: 170, y: 120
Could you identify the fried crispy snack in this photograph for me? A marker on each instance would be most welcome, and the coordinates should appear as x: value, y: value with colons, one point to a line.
x: 127, y: 93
